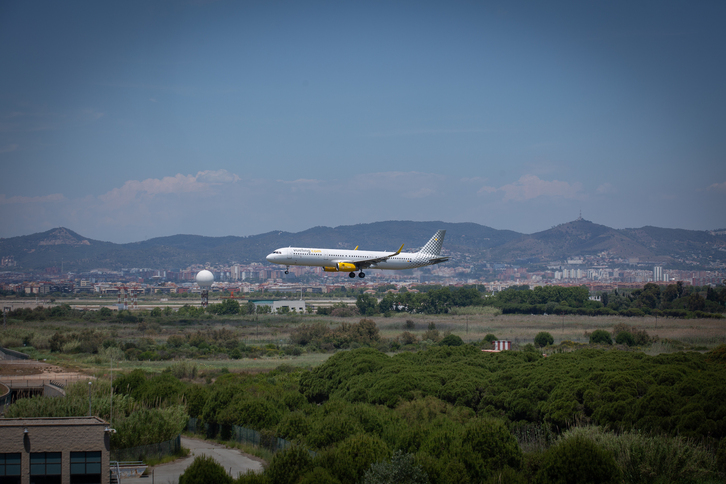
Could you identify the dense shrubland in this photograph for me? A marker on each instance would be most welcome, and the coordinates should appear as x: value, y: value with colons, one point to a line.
x: 455, y: 414
x: 679, y: 394
x: 142, y: 419
x: 449, y: 414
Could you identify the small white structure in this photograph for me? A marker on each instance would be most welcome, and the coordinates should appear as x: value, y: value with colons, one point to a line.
x: 297, y: 305
x: 502, y: 345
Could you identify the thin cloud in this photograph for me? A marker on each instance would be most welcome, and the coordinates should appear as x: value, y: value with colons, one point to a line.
x: 217, y: 177
x: 91, y: 115
x: 717, y: 187
x: 605, y: 188
x: 179, y: 184
x: 529, y: 187
x: 473, y: 179
x: 418, y: 132
x: 54, y: 198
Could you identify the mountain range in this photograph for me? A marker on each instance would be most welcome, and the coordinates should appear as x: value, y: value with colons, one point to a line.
x: 61, y: 247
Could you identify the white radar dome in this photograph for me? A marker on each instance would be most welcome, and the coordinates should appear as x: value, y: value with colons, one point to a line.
x: 205, y: 279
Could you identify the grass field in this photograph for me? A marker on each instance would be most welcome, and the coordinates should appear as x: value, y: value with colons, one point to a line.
x: 472, y: 325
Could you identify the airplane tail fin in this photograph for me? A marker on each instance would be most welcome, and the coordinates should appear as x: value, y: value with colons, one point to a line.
x: 433, y: 246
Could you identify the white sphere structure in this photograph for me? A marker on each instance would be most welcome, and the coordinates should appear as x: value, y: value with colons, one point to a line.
x: 205, y: 279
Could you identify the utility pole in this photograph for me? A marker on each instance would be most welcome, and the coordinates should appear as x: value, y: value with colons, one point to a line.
x: 89, y: 398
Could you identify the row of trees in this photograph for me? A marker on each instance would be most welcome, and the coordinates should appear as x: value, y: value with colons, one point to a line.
x: 676, y: 300
x: 438, y: 300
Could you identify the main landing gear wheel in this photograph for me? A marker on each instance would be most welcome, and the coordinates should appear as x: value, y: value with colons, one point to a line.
x: 287, y: 269
x: 352, y: 274
x: 361, y: 275
x: 286, y: 272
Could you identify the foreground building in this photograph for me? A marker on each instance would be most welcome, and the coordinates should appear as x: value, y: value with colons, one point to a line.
x: 54, y: 450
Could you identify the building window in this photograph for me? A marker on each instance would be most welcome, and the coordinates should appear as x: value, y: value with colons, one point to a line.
x: 86, y: 467
x: 45, y: 468
x: 10, y: 468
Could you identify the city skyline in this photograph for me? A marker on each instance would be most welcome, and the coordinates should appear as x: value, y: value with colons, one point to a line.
x: 124, y: 122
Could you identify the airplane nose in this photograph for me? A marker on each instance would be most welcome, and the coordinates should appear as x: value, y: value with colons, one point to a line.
x: 270, y: 257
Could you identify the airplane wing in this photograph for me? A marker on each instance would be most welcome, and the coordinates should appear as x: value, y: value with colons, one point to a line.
x: 369, y: 262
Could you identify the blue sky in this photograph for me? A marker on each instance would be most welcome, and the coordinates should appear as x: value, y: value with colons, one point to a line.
x: 130, y: 120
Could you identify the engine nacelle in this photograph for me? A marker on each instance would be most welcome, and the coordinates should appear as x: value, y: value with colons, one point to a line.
x: 341, y: 267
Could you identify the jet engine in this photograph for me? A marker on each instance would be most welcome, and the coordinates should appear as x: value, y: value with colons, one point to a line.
x: 341, y: 267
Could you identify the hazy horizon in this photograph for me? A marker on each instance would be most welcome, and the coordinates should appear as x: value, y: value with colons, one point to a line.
x: 332, y: 227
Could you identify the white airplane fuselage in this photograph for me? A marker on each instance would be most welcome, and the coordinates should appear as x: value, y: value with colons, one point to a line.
x: 298, y: 256
x: 346, y: 260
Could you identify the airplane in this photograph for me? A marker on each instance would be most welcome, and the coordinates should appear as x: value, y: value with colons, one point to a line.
x: 346, y: 260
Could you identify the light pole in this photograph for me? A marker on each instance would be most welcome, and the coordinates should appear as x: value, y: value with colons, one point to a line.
x: 89, y: 398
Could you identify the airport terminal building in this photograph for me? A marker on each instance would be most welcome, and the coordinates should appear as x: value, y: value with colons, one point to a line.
x: 54, y: 450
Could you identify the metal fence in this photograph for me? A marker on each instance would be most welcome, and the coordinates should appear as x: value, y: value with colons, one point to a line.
x: 239, y: 434
x: 144, y: 452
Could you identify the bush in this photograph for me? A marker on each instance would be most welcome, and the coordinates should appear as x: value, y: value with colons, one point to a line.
x: 344, y: 312
x: 653, y: 458
x: 319, y: 476
x: 205, y: 470
x: 578, y: 459
x: 451, y: 340
x: 400, y: 469
x: 289, y: 465
x: 508, y: 475
x: 488, y: 446
x: 721, y: 456
x: 350, y: 459
x: 543, y: 339
x: 431, y: 335
x: 408, y: 338
x: 600, y: 336
x: 625, y: 338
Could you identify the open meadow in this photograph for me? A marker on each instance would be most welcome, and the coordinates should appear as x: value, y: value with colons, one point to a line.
x: 265, y: 339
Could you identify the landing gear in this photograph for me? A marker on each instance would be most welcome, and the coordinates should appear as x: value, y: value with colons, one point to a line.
x: 287, y: 269
x: 352, y: 274
x: 361, y: 275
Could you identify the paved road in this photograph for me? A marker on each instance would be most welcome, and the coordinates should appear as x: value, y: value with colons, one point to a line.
x: 231, y: 459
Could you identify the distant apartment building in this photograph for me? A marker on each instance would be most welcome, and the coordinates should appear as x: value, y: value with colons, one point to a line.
x: 657, y: 274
